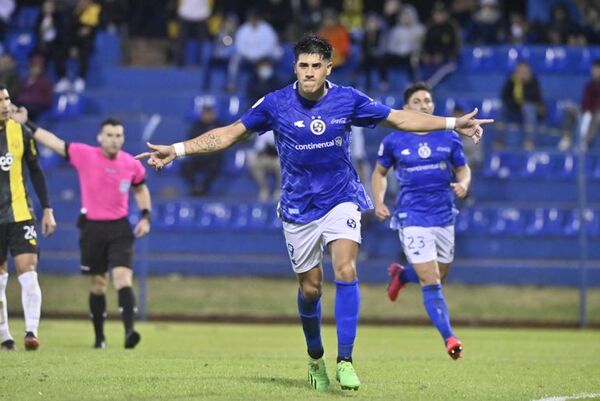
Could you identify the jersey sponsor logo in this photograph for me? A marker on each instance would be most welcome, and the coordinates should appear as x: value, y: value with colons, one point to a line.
x: 405, y: 152
x: 299, y: 124
x: 124, y: 186
x: 424, y: 150
x: 342, y: 120
x: 443, y: 165
x: 425, y: 167
x: 351, y: 223
x: 338, y: 141
x: 443, y: 149
x: 293, y: 211
x: 318, y: 126
x: 6, y: 161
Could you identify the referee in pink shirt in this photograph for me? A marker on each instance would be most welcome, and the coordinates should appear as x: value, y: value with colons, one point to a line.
x: 106, y: 174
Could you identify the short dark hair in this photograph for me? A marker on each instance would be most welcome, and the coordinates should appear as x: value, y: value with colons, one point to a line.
x: 2, y: 87
x: 313, y: 44
x: 110, y: 121
x: 412, y: 89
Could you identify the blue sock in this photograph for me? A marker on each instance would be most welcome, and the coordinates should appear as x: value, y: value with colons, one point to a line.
x: 347, y: 304
x: 436, y: 307
x: 409, y: 275
x: 310, y: 315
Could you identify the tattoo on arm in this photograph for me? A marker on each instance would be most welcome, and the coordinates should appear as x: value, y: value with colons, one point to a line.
x: 208, y: 142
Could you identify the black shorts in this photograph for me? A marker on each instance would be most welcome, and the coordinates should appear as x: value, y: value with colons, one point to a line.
x: 18, y: 238
x: 105, y: 244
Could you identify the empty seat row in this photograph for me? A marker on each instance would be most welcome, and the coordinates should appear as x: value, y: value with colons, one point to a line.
x: 539, y: 165
x: 558, y: 59
x: 527, y: 222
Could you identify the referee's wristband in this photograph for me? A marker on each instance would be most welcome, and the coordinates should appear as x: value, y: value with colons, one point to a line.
x: 145, y: 214
x: 179, y: 149
x: 450, y: 123
x: 32, y: 126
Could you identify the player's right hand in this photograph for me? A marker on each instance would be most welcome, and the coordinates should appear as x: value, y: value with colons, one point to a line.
x: 382, y: 212
x: 158, y: 156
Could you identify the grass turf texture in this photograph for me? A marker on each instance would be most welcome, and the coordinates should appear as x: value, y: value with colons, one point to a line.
x: 254, y: 362
x: 277, y: 297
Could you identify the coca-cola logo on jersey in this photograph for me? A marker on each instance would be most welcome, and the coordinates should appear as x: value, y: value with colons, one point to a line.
x: 6, y: 161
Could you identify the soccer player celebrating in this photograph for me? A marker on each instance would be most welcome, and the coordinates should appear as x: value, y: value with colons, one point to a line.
x: 321, y: 195
x: 17, y: 221
x: 428, y: 169
x: 106, y: 173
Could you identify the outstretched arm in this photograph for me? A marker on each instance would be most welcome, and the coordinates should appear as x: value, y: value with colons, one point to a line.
x: 414, y: 121
x: 212, y: 141
x: 379, y: 186
x: 46, y: 138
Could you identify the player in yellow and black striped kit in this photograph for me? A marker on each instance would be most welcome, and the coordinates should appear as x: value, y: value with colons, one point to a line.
x: 17, y: 221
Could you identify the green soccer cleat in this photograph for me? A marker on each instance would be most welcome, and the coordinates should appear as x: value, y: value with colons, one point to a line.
x: 317, y: 374
x: 346, y: 375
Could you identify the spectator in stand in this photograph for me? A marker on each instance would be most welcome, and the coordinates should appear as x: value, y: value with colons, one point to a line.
x: 36, y: 88
x: 254, y: 41
x: 7, y: 7
x: 373, y: 47
x: 560, y: 26
x: 223, y: 48
x: 335, y: 33
x: 114, y: 14
x: 393, y: 8
x: 403, y: 45
x: 312, y: 16
x: 441, y: 47
x: 9, y: 77
x: 50, y: 35
x: 85, y: 20
x: 279, y: 14
x: 518, y: 29
x: 192, y: 17
x: 592, y: 25
x: 352, y: 16
x: 487, y: 25
x: 462, y: 12
x: 201, y: 172
x: 590, y: 105
x: 522, y: 101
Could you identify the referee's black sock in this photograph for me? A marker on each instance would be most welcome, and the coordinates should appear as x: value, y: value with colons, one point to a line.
x: 127, y: 307
x: 98, y: 314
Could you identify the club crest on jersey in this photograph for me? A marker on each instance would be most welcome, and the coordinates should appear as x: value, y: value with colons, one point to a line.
x: 6, y: 161
x: 317, y: 126
x: 338, y: 140
x: 443, y: 165
x: 424, y: 150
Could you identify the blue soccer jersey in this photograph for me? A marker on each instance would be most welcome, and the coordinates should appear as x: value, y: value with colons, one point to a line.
x: 313, y: 142
x: 424, y: 167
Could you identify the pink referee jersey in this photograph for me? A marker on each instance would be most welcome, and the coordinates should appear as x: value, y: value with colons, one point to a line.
x: 105, y: 182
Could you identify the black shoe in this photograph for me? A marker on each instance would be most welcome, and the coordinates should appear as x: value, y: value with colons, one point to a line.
x: 31, y: 341
x: 100, y: 344
x: 132, y: 339
x: 8, y: 345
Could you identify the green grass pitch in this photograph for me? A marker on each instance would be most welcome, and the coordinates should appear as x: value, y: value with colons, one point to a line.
x: 257, y: 362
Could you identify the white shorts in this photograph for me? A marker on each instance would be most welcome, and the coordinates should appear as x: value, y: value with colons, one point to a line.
x: 426, y: 244
x: 305, y: 242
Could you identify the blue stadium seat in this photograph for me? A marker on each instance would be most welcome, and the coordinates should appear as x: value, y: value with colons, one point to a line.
x: 512, y: 55
x: 546, y: 221
x: 504, y: 164
x: 583, y: 60
x: 214, y: 215
x: 539, y: 165
x: 67, y: 106
x: 508, y: 221
x: 479, y: 59
x: 463, y: 221
x: 252, y: 216
x: 592, y: 222
x: 556, y: 60
x: 490, y: 108
x: 24, y: 19
x: 479, y: 221
x: 20, y: 45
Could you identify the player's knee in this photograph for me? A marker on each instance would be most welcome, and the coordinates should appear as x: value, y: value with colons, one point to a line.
x: 345, y: 272
x: 310, y: 291
x: 99, y: 285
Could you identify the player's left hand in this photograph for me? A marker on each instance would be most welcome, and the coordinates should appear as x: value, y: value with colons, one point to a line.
x: 459, y: 189
x: 142, y: 228
x: 48, y: 223
x: 470, y: 126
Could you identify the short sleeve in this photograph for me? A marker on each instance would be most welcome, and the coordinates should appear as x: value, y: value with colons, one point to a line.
x: 458, y: 155
x: 367, y: 112
x: 139, y: 173
x: 260, y: 117
x: 385, y: 154
x: 77, y: 153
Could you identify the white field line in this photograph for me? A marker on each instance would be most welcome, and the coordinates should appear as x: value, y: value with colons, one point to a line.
x: 570, y: 397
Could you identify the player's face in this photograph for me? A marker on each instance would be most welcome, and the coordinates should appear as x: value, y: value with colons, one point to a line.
x: 420, y: 101
x: 111, y: 139
x: 312, y: 71
x: 4, y: 105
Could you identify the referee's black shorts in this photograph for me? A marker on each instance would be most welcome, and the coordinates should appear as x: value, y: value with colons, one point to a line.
x: 105, y: 244
x: 18, y: 238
